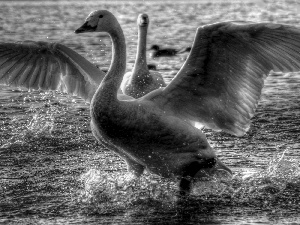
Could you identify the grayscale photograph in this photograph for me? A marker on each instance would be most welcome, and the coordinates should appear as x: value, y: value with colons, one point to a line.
x: 150, y: 112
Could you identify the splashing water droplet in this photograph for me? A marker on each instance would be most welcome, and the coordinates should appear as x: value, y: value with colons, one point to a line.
x: 36, y: 120
x: 106, y: 191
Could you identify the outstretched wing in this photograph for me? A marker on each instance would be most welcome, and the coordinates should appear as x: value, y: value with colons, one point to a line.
x: 221, y: 81
x: 48, y: 66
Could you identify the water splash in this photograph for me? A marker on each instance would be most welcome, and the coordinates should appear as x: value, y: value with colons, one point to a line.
x: 34, y: 121
x: 282, y: 172
x: 277, y: 183
x: 107, y: 192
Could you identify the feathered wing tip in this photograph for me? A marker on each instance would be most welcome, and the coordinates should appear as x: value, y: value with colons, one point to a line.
x: 48, y: 66
x: 221, y: 81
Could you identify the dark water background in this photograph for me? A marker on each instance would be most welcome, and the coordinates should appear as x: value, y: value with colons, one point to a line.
x: 52, y: 171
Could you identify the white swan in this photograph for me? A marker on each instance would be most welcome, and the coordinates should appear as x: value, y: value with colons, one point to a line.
x: 141, y: 81
x: 219, y: 86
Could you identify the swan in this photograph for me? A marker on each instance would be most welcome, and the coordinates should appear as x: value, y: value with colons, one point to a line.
x: 141, y: 81
x: 166, y: 52
x: 219, y: 86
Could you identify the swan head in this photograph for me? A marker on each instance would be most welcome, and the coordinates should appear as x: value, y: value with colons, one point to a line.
x: 98, y: 21
x: 143, y: 20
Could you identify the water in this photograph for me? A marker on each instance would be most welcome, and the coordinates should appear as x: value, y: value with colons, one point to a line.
x: 54, y: 172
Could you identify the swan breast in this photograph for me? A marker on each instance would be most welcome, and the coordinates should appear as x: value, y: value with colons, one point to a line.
x: 162, y: 143
x: 139, y: 85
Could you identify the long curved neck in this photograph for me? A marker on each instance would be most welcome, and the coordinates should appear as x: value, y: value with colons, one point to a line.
x: 140, y: 61
x: 108, y: 89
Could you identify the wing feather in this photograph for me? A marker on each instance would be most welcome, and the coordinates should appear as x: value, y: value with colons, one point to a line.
x: 48, y: 66
x: 33, y: 79
x: 15, y: 72
x: 43, y: 72
x: 31, y: 68
x: 9, y: 66
x: 54, y: 73
x: 221, y: 81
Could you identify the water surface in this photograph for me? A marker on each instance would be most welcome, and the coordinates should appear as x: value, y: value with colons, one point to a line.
x: 52, y: 171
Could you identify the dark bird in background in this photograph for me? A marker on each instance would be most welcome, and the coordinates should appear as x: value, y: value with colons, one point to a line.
x: 151, y: 66
x: 166, y: 52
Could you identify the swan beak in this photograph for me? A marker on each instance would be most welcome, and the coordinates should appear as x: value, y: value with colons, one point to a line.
x: 223, y: 170
x: 85, y: 28
x: 144, y: 24
x: 220, y: 170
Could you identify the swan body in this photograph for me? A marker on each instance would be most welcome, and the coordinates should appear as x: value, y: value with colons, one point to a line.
x: 141, y: 81
x: 218, y: 86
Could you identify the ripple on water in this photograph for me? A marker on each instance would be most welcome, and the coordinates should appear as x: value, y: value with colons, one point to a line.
x: 41, y: 160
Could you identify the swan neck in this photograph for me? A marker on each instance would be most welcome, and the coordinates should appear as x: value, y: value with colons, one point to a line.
x: 112, y: 81
x: 141, y: 59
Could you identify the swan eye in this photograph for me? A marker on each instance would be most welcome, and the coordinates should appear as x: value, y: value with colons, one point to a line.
x: 100, y: 16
